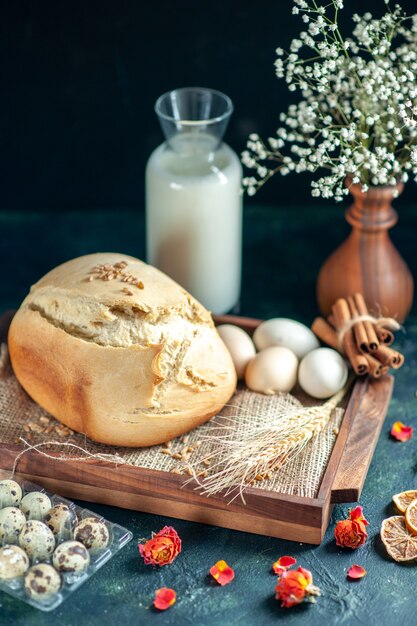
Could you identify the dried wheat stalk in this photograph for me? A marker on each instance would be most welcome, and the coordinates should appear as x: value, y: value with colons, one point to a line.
x: 236, y: 464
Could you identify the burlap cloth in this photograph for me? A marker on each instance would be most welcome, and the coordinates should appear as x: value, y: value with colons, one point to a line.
x: 20, y: 417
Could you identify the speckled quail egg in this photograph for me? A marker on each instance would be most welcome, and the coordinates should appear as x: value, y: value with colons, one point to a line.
x: 11, y: 523
x: 42, y: 581
x: 93, y: 533
x: 35, y: 505
x: 71, y: 556
x: 37, y: 539
x: 13, y: 562
x: 10, y: 493
x: 61, y: 520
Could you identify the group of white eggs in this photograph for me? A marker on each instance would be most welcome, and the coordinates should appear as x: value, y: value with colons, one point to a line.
x: 281, y: 353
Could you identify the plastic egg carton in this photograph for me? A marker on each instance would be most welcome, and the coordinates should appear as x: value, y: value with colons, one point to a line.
x: 70, y: 581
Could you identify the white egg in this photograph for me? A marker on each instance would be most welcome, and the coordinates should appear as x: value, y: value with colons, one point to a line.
x: 287, y: 333
x: 272, y: 370
x: 322, y: 373
x: 240, y: 346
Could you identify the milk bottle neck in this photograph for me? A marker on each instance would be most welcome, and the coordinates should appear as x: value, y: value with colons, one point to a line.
x: 194, y: 145
x: 193, y: 120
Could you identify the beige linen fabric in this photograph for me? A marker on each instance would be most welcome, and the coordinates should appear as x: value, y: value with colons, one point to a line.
x: 21, y: 417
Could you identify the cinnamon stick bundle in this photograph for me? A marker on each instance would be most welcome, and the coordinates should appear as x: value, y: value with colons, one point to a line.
x: 364, y: 339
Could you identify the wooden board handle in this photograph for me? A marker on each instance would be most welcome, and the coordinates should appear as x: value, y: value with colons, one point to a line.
x: 247, y: 323
x: 366, y: 424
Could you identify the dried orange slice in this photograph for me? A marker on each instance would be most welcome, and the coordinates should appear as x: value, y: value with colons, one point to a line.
x: 411, y: 517
x: 403, y: 499
x: 401, y: 545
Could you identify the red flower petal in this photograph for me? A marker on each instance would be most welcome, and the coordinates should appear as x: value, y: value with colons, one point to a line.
x: 401, y: 432
x: 222, y: 573
x: 356, y: 572
x: 163, y: 547
x: 356, y: 515
x: 283, y: 563
x: 295, y: 586
x: 164, y: 598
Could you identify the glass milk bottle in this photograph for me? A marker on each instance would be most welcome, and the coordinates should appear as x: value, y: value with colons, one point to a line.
x: 193, y: 198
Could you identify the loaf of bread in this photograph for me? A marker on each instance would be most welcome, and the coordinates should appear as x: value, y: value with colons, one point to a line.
x: 115, y: 349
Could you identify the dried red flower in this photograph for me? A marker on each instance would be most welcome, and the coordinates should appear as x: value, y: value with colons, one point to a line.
x: 222, y: 573
x: 162, y: 548
x: 356, y: 571
x: 296, y: 586
x: 351, y: 532
x: 164, y: 598
x: 401, y: 432
x: 283, y: 563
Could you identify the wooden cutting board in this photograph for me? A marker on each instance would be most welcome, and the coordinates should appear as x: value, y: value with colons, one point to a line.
x: 265, y: 512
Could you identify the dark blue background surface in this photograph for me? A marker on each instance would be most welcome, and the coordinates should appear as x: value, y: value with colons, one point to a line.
x: 79, y: 79
x: 76, y: 119
x: 283, y: 249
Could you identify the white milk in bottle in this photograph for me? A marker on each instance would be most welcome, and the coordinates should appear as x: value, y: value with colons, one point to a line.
x: 193, y: 199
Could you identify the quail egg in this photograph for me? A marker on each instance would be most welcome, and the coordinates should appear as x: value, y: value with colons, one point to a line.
x: 35, y: 505
x: 61, y: 519
x: 11, y: 523
x: 10, y: 493
x: 71, y: 556
x: 93, y: 533
x: 37, y: 539
x: 42, y: 581
x: 13, y: 562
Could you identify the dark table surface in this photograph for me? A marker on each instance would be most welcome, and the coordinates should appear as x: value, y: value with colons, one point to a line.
x: 283, y: 250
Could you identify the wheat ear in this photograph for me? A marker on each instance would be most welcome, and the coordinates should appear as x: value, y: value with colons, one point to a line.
x: 235, y: 464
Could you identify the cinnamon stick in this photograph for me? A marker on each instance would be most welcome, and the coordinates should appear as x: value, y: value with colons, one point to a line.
x: 384, y: 335
x: 387, y: 356
x: 325, y: 332
x: 359, y: 331
x: 399, y: 363
x: 341, y: 315
x: 331, y: 320
x: 362, y: 309
x: 358, y: 361
x: 376, y: 368
x: 365, y: 343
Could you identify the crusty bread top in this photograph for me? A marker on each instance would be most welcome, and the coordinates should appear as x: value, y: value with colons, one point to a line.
x: 89, y: 298
x: 159, y: 292
x: 92, y: 326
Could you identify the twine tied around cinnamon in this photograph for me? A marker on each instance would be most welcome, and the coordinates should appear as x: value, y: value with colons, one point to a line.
x: 384, y: 322
x: 361, y: 337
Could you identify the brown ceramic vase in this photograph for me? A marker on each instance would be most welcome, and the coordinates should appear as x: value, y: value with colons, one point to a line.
x: 367, y: 261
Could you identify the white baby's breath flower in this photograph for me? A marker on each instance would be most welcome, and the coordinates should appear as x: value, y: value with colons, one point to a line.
x: 357, y: 115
